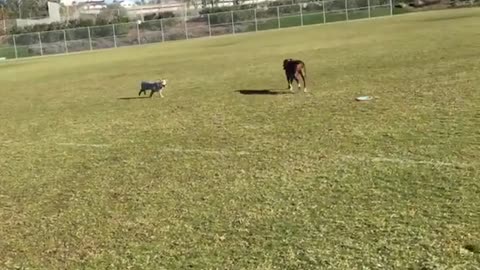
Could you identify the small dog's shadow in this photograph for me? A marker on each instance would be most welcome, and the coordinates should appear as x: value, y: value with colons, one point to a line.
x: 128, y: 98
x: 262, y: 92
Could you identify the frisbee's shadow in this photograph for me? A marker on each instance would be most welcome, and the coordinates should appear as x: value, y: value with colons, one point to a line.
x: 262, y: 92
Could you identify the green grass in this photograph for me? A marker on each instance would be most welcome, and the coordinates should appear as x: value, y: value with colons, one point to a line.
x: 316, y: 17
x: 287, y: 21
x: 208, y: 178
x: 9, y: 52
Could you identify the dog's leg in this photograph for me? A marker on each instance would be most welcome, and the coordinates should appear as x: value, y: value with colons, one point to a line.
x: 297, y: 80
x: 304, y: 82
x: 151, y: 93
x: 290, y: 81
x: 160, y: 92
x: 140, y: 92
x: 289, y: 85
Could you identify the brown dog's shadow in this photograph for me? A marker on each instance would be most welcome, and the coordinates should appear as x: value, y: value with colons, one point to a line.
x: 128, y: 98
x: 262, y: 92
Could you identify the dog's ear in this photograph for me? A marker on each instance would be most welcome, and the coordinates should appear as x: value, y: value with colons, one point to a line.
x: 285, y: 62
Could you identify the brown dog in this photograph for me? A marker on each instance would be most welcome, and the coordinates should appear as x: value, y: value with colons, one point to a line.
x: 294, y: 69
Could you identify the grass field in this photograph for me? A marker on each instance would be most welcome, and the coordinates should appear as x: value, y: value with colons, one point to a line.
x: 28, y: 45
x: 93, y: 177
x: 317, y: 18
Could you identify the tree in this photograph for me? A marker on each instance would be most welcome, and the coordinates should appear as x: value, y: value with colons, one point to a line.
x: 26, y: 8
x: 113, y: 13
x: 238, y: 2
x: 194, y: 3
x: 3, y: 17
x: 3, y: 11
x: 213, y: 3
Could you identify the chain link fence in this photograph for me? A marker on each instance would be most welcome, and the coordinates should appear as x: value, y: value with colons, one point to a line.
x: 3, y: 27
x: 180, y: 28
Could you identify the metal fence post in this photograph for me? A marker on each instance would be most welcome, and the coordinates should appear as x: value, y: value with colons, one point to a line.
x: 256, y: 22
x: 40, y: 42
x: 15, y: 47
x: 65, y: 40
x: 186, y: 28
x: 391, y: 7
x: 4, y: 25
x: 114, y: 36
x: 138, y: 34
x: 233, y: 23
x: 346, y: 10
x: 369, y: 11
x: 161, y: 27
x: 301, y: 14
x: 185, y: 10
x: 278, y: 17
x: 209, y: 27
x: 323, y: 11
x: 89, y: 38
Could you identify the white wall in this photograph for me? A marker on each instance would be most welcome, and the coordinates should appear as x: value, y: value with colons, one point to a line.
x: 71, y: 2
x: 53, y: 16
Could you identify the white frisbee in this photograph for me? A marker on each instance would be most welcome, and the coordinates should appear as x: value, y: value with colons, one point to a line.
x: 364, y: 98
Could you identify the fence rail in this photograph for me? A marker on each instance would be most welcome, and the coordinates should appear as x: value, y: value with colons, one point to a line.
x: 207, y: 25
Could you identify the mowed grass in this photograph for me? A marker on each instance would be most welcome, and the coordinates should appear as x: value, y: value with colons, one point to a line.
x: 92, y: 177
x: 316, y: 17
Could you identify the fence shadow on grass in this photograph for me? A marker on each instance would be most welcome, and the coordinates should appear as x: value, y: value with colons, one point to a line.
x: 262, y: 92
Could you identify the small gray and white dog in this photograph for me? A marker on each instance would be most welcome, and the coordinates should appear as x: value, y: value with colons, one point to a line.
x: 155, y: 86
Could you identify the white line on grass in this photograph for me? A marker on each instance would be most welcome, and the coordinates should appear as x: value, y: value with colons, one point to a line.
x: 348, y: 157
x: 397, y: 160
x: 407, y: 161
x: 7, y: 143
x: 84, y: 144
x: 204, y: 151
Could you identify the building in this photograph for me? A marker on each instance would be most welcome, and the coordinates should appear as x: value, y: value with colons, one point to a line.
x: 126, y: 3
x: 92, y: 3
